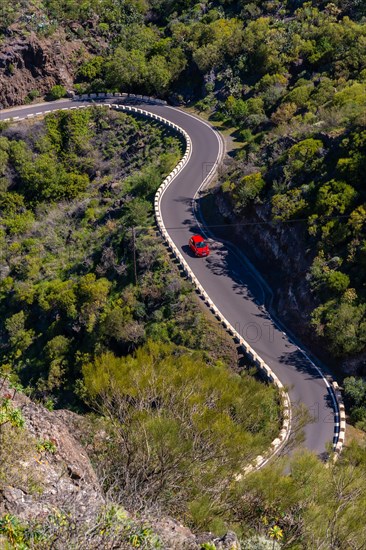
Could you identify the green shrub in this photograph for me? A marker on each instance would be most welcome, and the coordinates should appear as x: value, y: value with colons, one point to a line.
x: 46, y: 445
x: 33, y: 94
x: 56, y: 92
x: 337, y: 282
x: 248, y: 189
x: 288, y: 205
x: 19, y: 223
x: 170, y: 429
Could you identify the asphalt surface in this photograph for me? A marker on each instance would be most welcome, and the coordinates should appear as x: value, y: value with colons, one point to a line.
x: 234, y: 288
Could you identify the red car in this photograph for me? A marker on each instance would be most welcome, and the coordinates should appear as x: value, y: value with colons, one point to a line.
x: 199, y: 246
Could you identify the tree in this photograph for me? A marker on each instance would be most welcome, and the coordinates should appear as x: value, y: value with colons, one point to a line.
x: 91, y: 69
x: 247, y: 190
x: 4, y: 157
x: 119, y: 325
x: 58, y: 297
x: 11, y: 203
x: 337, y: 282
x: 159, y: 407
x: 19, y: 223
x: 303, y: 157
x: 355, y: 389
x: 300, y: 95
x: 20, y: 338
x: 335, y: 197
x: 70, y: 132
x: 158, y: 74
x: 208, y: 57
x: 127, y: 70
x: 56, y: 352
x: 343, y: 323
x: 263, y: 44
x: 92, y: 295
x: 288, y: 205
x: 357, y: 219
x: 137, y: 213
x: 8, y: 15
x: 352, y: 166
x: 284, y: 113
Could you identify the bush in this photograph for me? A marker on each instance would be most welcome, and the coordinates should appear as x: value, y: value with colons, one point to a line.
x: 33, y: 94
x: 247, y: 190
x: 56, y: 92
x: 161, y: 400
x: 337, y: 282
x: 343, y: 324
x: 355, y: 392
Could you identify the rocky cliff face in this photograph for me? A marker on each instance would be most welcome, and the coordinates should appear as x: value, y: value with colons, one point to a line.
x: 276, y: 252
x: 29, y: 63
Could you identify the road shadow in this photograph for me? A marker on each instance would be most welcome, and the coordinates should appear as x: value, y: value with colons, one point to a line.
x: 186, y: 250
x: 224, y: 262
x: 184, y: 200
x: 297, y: 360
x: 193, y: 227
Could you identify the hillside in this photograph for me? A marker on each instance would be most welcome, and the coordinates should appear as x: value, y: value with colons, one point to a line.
x: 94, y: 317
x: 180, y: 50
x: 50, y: 496
x: 290, y: 78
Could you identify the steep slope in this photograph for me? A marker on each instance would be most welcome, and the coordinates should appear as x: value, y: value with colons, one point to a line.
x: 50, y: 496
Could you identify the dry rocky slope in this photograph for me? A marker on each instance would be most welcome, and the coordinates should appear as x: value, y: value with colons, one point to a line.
x: 66, y: 476
x: 64, y: 482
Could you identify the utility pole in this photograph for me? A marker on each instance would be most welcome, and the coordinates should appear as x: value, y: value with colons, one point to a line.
x: 134, y: 253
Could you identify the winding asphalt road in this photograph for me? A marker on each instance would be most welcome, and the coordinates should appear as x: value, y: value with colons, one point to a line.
x: 231, y: 285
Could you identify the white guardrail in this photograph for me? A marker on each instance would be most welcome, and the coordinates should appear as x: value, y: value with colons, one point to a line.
x: 279, y: 442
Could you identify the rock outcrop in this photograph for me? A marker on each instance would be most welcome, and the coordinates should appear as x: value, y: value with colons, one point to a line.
x: 30, y: 63
x: 66, y: 477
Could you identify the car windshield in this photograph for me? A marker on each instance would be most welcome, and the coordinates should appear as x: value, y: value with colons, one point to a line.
x: 201, y: 244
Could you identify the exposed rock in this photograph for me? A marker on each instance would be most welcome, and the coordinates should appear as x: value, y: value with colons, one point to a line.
x: 227, y: 542
x: 170, y: 530
x: 175, y: 535
x: 30, y: 63
x: 68, y: 480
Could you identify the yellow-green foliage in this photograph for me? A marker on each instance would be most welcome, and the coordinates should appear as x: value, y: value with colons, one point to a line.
x: 248, y: 189
x: 311, y: 503
x: 178, y: 427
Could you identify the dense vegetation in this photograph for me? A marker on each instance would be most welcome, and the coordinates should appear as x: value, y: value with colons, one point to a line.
x: 72, y: 189
x: 303, y: 159
x: 291, y: 77
x: 177, y: 429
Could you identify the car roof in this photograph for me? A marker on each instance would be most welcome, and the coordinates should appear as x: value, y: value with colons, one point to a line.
x: 197, y: 238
